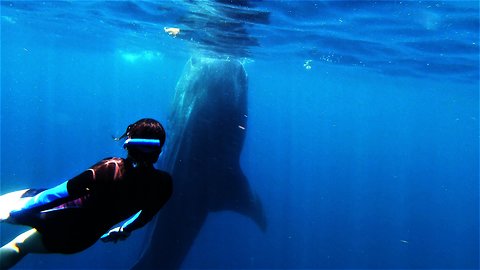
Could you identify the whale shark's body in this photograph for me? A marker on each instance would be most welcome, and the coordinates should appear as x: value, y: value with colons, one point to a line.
x: 206, y: 131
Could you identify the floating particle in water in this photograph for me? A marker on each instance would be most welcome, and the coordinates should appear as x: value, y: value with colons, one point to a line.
x: 8, y: 19
x: 172, y: 31
x: 307, y: 65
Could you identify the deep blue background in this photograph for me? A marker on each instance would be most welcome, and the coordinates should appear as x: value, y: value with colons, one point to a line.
x: 355, y: 169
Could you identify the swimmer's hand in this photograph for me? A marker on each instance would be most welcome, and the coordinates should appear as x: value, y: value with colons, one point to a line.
x: 115, y: 234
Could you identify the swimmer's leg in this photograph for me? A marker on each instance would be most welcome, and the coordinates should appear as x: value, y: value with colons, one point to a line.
x: 15, y: 201
x: 11, y: 201
x: 27, y: 242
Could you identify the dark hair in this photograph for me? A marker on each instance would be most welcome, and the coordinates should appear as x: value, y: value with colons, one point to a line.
x: 145, y: 128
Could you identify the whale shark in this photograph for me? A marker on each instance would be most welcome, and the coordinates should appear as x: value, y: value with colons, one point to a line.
x: 206, y: 131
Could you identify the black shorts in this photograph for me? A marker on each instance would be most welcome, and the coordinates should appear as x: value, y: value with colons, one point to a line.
x: 68, y: 230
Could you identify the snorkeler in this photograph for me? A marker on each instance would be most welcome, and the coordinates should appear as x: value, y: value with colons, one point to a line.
x: 72, y: 216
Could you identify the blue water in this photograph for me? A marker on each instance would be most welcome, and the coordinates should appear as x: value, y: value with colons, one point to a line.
x: 362, y: 139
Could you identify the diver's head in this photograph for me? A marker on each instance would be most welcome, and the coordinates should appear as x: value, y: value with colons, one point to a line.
x: 145, y: 139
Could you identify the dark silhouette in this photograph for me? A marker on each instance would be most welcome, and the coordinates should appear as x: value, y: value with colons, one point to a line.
x: 206, y: 133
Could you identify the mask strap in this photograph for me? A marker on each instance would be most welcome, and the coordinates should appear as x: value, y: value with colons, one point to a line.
x: 141, y: 142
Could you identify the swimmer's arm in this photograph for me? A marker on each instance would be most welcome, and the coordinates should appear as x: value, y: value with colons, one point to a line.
x: 137, y: 221
x: 123, y: 232
x: 145, y: 215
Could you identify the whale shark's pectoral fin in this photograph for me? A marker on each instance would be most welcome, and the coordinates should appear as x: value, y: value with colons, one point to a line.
x: 237, y: 196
